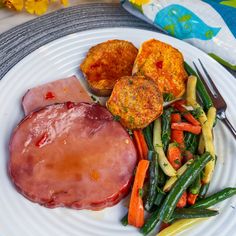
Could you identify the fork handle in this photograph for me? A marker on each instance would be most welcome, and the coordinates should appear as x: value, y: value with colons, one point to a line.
x: 230, y: 126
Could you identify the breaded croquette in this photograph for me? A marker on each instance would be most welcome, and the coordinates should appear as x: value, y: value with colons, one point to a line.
x: 106, y: 62
x: 136, y: 101
x: 164, y: 64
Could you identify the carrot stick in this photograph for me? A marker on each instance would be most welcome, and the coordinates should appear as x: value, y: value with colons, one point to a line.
x: 136, y: 209
x: 187, y: 127
x: 143, y: 144
x: 138, y: 145
x: 175, y: 118
x: 174, y: 156
x: 177, y: 135
x: 192, y: 198
x: 174, y: 153
x: 186, y: 114
x: 179, y: 102
x: 182, y: 201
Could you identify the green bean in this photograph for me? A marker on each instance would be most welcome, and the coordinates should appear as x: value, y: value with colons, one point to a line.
x: 159, y: 198
x: 165, y: 127
x: 203, y: 190
x: 124, y: 220
x: 196, y: 185
x: 150, y: 223
x: 201, y: 90
x: 177, y: 214
x: 181, y: 185
x: 147, y: 132
x: 215, y: 198
x: 153, y: 180
x: 161, y: 177
x: 191, y: 142
x: 189, y: 213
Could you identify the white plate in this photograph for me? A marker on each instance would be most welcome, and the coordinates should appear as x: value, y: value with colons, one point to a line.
x: 59, y: 59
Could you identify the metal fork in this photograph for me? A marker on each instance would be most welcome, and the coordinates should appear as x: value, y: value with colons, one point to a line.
x: 216, y: 97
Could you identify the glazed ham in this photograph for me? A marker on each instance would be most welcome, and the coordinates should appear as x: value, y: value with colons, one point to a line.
x: 72, y: 155
x: 58, y: 91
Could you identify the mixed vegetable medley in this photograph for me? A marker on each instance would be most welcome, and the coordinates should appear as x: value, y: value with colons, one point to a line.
x: 176, y: 162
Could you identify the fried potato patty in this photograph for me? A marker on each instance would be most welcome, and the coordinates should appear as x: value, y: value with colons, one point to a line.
x: 164, y: 64
x: 136, y: 101
x: 106, y: 62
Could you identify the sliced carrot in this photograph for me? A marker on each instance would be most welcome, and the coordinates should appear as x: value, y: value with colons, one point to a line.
x: 182, y: 201
x: 184, y: 126
x: 177, y: 135
x: 186, y: 114
x: 140, y: 144
x: 136, y: 209
x: 192, y: 198
x: 174, y: 156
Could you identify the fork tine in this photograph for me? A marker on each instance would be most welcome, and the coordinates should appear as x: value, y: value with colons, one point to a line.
x: 204, y: 82
x: 210, y: 80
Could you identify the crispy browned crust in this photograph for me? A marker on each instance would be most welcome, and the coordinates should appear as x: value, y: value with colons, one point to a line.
x: 106, y: 62
x: 136, y: 100
x: 162, y: 63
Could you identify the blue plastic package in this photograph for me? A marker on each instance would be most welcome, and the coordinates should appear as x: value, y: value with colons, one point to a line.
x: 209, y: 25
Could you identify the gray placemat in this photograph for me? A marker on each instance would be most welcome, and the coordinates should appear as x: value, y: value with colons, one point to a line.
x: 20, y: 41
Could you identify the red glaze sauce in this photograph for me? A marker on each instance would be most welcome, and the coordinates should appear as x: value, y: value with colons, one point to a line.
x: 49, y: 95
x: 70, y: 105
x: 159, y: 64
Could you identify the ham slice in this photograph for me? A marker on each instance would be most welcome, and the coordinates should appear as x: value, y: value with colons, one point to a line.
x: 58, y: 91
x: 72, y: 155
